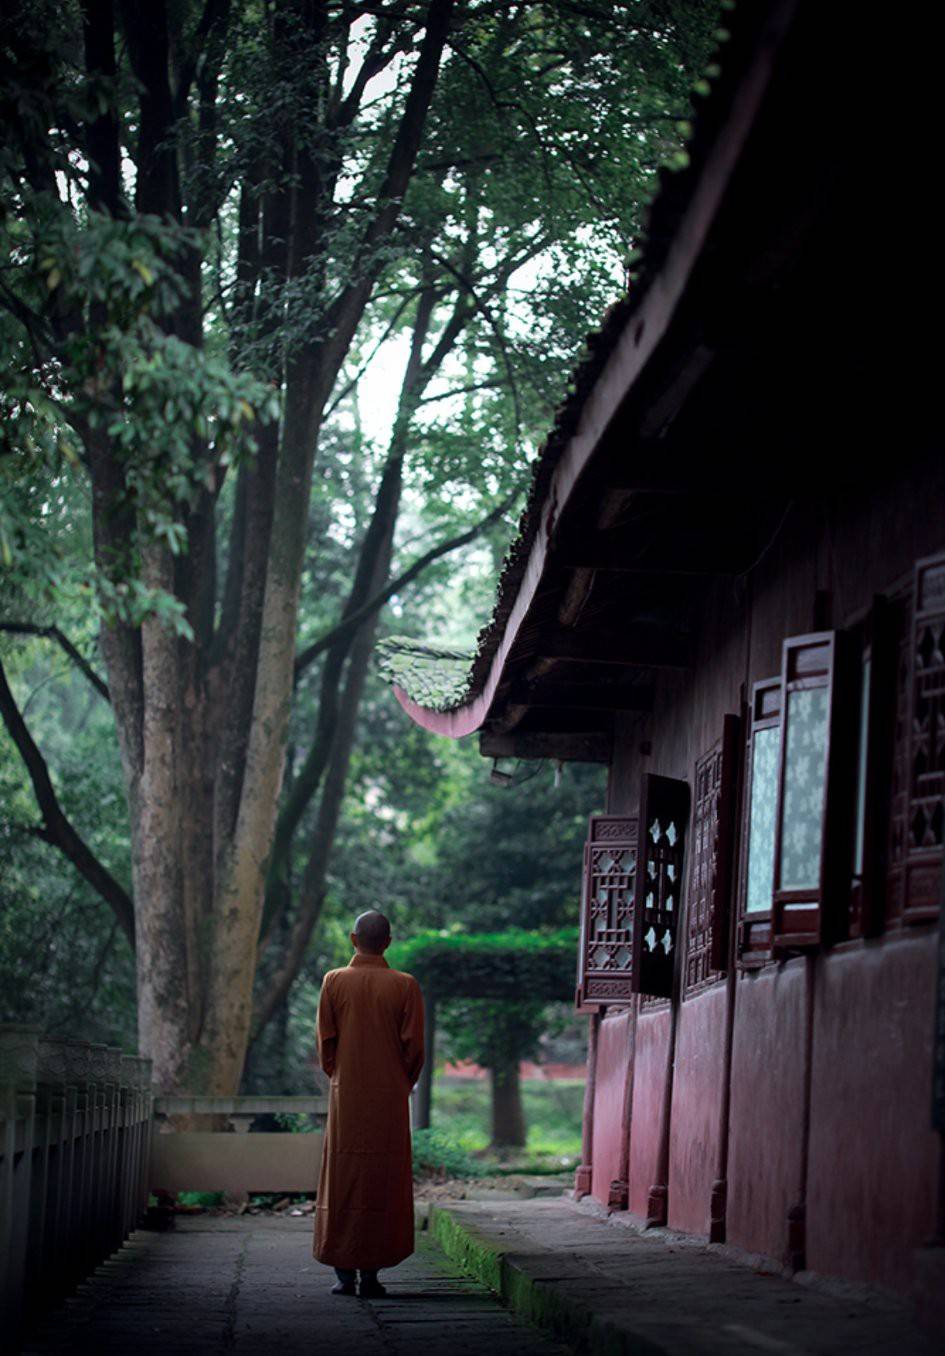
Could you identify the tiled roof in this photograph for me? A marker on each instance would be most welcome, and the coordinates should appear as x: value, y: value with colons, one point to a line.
x: 433, y: 675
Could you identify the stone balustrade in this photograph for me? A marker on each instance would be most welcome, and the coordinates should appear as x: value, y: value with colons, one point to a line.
x: 75, y: 1136
x: 198, y: 1157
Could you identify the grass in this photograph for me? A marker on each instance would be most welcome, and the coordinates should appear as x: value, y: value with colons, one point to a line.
x: 552, y: 1116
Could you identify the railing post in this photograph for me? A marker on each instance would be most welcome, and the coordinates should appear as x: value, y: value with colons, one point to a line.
x: 18, y: 1057
x: 128, y: 1114
x: 145, y: 1130
x: 55, y: 1065
x: 68, y: 1207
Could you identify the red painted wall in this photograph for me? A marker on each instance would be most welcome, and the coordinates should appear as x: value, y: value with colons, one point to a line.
x: 873, y: 1155
x: 697, y: 1105
x: 650, y: 1053
x: 767, y: 1107
x: 872, y: 1167
x: 613, y: 1061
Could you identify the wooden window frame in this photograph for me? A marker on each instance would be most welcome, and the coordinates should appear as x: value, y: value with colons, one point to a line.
x: 597, y: 989
x: 922, y: 865
x: 895, y: 834
x: 708, y: 901
x: 660, y: 798
x: 754, y: 929
x: 879, y: 644
x: 805, y: 918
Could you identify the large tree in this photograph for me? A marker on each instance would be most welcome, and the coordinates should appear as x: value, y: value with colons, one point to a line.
x: 211, y: 209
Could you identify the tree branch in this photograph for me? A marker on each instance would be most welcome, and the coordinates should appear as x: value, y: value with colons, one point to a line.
x: 56, y: 828
x: 347, y: 309
x: 351, y: 622
x: 214, y: 12
x: 64, y: 643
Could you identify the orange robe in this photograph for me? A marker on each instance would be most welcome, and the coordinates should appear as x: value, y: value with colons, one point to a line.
x: 370, y: 1043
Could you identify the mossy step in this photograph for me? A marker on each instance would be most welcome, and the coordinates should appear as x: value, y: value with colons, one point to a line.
x: 531, y: 1295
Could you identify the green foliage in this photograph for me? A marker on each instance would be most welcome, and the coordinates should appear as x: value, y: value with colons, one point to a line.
x: 295, y: 1122
x: 64, y: 963
x: 437, y: 1154
x: 134, y: 334
x: 173, y: 414
x: 494, y: 1033
x: 498, y: 965
x: 207, y: 1199
x: 461, y: 1109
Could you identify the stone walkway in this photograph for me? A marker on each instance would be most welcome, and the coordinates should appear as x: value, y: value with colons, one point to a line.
x: 605, y: 1287
x: 249, y: 1286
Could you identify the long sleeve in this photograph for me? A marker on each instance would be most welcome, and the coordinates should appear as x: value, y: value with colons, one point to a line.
x: 326, y: 1029
x: 411, y: 1033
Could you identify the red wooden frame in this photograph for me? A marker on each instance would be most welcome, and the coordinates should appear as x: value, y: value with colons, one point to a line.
x: 879, y: 647
x: 715, y: 789
x: 658, y: 896
x: 896, y: 836
x: 806, y: 916
x: 607, y: 896
x: 925, y: 826
x: 754, y: 929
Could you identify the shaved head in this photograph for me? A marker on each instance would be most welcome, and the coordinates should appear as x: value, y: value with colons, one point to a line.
x: 371, y: 932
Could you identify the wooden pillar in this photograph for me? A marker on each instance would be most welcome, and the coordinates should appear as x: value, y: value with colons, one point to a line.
x: 583, y: 1174
x: 423, y: 1097
x: 618, y: 1197
x: 718, y: 1201
x: 657, y: 1202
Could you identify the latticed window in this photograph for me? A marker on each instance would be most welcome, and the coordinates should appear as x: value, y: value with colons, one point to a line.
x: 664, y: 816
x: 762, y: 752
x: 713, y: 822
x: 815, y: 791
x: 606, y: 948
x: 925, y: 823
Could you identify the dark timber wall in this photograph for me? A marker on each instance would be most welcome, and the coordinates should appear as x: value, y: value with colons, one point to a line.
x: 830, y: 1066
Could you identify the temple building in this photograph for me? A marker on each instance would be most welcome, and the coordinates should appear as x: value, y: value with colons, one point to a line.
x: 729, y: 587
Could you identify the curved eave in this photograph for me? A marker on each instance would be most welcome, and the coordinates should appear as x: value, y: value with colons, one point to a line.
x: 644, y: 330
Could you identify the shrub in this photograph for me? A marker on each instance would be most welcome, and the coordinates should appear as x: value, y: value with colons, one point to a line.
x: 435, y: 1154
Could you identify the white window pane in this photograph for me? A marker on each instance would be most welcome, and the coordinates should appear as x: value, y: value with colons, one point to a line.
x: 805, y: 759
x: 764, y: 799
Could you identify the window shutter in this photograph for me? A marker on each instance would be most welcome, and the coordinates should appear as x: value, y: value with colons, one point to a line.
x: 899, y: 786
x: 756, y: 885
x: 815, y: 792
x: 710, y: 873
x: 876, y: 718
x: 925, y: 827
x: 664, y: 815
x: 606, y: 946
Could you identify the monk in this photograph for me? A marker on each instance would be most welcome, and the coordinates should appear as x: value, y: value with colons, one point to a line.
x: 370, y: 1043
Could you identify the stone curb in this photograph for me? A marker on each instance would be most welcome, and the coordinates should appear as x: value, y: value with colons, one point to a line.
x: 543, y: 1302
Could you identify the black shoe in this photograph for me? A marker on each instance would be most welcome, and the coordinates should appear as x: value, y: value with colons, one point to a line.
x: 372, y: 1289
x: 344, y: 1288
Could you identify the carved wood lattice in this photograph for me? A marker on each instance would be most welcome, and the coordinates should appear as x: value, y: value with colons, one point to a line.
x: 899, y: 790
x: 606, y: 950
x: 710, y: 876
x: 925, y: 827
x: 664, y: 814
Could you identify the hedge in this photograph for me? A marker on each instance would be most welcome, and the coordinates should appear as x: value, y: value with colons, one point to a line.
x: 512, y: 964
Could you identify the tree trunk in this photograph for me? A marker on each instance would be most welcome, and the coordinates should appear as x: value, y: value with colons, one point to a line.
x: 508, y: 1115
x: 202, y: 723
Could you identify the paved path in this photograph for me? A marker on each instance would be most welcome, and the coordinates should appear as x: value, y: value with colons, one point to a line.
x: 662, y: 1294
x: 250, y: 1286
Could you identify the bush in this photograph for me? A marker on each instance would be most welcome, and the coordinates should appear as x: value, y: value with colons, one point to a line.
x: 207, y: 1200
x: 435, y: 1154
